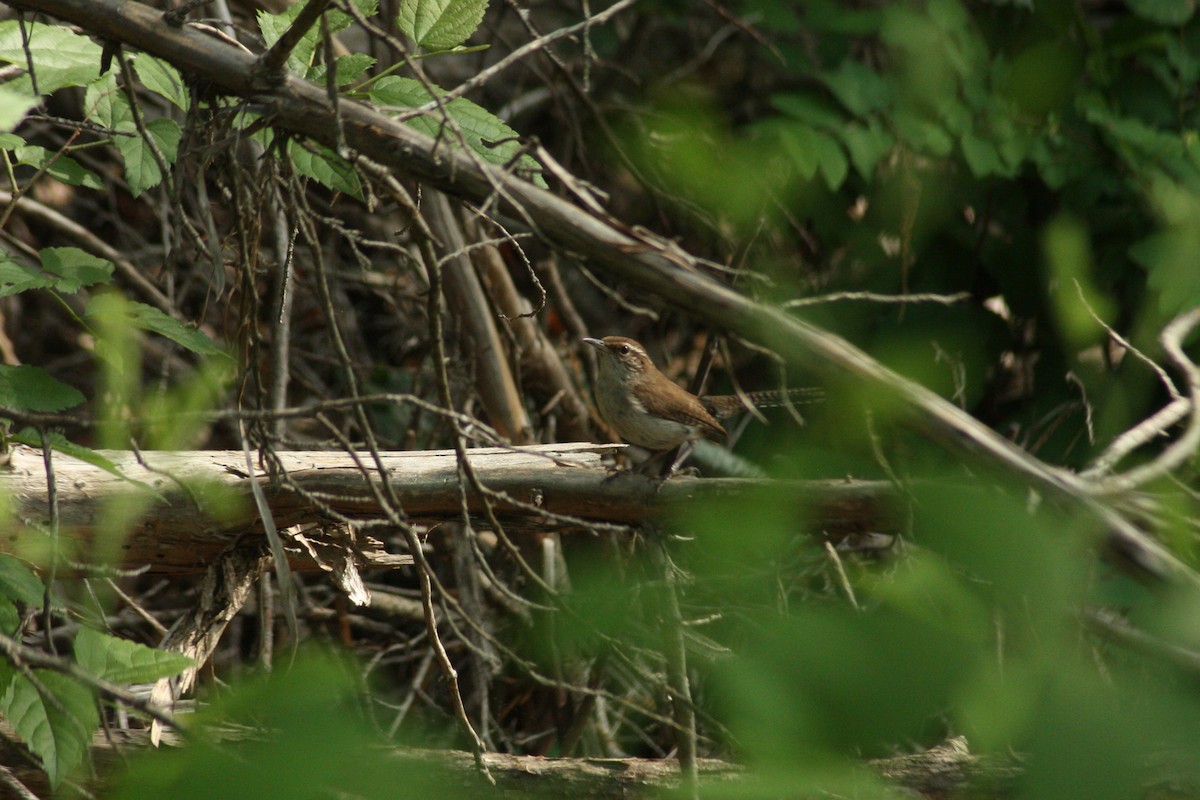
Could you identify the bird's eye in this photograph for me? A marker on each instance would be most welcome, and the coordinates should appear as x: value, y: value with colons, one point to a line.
x: 624, y: 349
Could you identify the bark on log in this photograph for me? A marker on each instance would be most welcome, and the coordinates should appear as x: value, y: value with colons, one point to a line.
x: 195, y: 504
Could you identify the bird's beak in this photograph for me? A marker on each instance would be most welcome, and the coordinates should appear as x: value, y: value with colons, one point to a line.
x: 595, y: 343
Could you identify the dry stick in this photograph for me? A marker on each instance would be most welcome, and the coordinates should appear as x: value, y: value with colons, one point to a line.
x: 1187, y: 445
x: 386, y: 496
x: 93, y: 244
x: 426, y: 247
x: 528, y: 48
x: 272, y: 65
x: 14, y: 785
x: 873, y: 297
x: 287, y: 585
x: 496, y: 385
x: 1113, y: 627
x: 426, y: 234
x: 52, y: 502
x: 19, y: 191
x: 843, y: 580
x: 434, y: 278
x: 675, y: 653
x: 536, y: 349
x: 1148, y: 429
x: 651, y: 266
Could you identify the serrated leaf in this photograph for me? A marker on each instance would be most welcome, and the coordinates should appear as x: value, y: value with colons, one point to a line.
x: 148, y: 318
x: 160, y: 77
x: 61, y: 168
x: 300, y: 59
x: 483, y: 132
x: 61, y: 57
x: 349, y: 68
x: 59, y: 740
x: 122, y: 661
x: 106, y: 105
x: 29, y: 388
x: 13, y: 107
x: 273, y: 26
x: 440, y: 24
x: 15, y: 278
x: 75, y: 268
x: 141, y: 168
x: 17, y: 582
x: 326, y: 167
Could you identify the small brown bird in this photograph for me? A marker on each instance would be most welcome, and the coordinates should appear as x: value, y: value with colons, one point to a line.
x: 650, y: 410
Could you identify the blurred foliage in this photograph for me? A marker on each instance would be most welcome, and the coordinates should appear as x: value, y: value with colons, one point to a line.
x: 1045, y: 154
x: 1040, y: 161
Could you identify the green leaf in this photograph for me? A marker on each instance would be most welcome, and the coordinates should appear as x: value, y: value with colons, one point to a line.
x: 105, y: 104
x: 122, y: 661
x: 326, y: 167
x: 61, y: 57
x: 10, y: 141
x: 273, y: 26
x: 1164, y: 12
x: 483, y: 132
x: 17, y: 582
x: 148, y: 318
x: 812, y: 150
x: 141, y: 168
x: 13, y: 107
x: 806, y: 108
x: 981, y: 155
x: 440, y: 24
x: 160, y: 77
x: 349, y: 69
x: 27, y: 388
x: 866, y: 144
x: 15, y: 278
x: 301, y: 58
x: 59, y: 740
x: 923, y: 135
x: 858, y: 87
x: 63, y: 168
x: 10, y: 621
x: 1169, y: 258
x: 75, y: 268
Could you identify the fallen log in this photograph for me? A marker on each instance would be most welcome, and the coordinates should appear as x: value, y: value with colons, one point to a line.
x: 183, y: 509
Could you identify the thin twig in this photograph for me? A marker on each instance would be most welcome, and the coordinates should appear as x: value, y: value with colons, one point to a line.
x: 840, y: 571
x: 873, y: 297
x: 272, y: 65
x: 1186, y: 446
x: 27, y: 657
x: 537, y: 44
x: 51, y: 577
